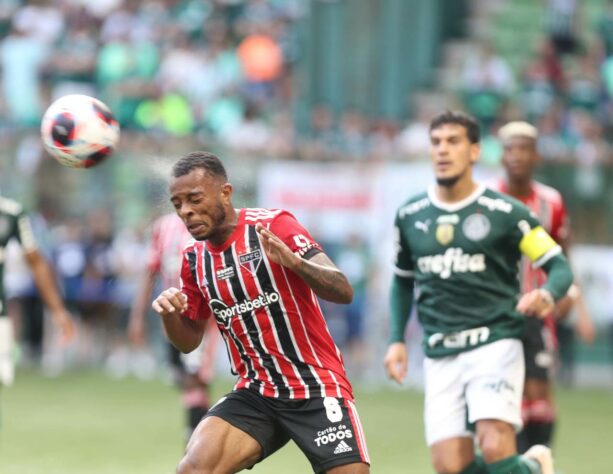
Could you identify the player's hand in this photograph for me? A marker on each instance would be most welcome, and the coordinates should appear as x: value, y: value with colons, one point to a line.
x: 276, y: 249
x: 396, y: 361
x: 537, y: 303
x: 170, y: 301
x: 65, y: 323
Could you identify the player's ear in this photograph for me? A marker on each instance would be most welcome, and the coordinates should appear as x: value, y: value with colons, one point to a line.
x: 475, y: 152
x: 227, y: 191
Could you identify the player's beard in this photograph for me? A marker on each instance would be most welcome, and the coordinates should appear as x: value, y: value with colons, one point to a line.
x: 449, y: 181
x: 218, y: 217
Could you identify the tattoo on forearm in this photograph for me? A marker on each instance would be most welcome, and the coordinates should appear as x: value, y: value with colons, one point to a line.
x: 327, y: 281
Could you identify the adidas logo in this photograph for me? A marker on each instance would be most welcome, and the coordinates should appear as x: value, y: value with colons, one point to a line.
x: 342, y: 448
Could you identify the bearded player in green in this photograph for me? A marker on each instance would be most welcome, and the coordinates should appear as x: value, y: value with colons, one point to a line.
x: 459, y: 244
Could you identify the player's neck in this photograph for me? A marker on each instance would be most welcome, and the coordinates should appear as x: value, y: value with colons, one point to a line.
x: 519, y: 189
x: 456, y: 192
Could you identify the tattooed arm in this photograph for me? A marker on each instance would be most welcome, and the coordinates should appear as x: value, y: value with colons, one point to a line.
x: 327, y: 281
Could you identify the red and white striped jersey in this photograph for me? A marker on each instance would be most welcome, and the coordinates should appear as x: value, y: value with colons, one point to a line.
x: 168, y: 239
x: 548, y: 205
x: 276, y: 336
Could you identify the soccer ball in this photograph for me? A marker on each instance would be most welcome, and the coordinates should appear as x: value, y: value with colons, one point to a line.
x: 79, y: 131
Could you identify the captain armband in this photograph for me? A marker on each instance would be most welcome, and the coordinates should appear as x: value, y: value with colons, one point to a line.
x: 538, y: 245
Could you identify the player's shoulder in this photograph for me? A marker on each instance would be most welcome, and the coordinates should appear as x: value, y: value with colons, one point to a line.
x: 548, y: 193
x: 253, y: 215
x: 9, y: 206
x: 413, y: 205
x: 497, y: 201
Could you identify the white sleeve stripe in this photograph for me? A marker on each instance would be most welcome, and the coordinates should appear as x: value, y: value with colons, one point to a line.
x: 28, y: 242
x: 404, y: 273
x: 557, y: 250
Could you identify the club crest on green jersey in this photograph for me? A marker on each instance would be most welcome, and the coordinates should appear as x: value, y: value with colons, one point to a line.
x: 476, y: 227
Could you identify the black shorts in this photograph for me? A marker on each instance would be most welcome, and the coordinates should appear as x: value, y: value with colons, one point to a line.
x: 539, y: 352
x: 327, y: 430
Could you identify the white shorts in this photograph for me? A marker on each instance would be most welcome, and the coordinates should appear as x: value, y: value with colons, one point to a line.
x: 7, y: 354
x: 483, y: 383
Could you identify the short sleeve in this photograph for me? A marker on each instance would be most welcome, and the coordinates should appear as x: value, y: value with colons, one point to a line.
x: 531, y: 238
x: 197, y: 307
x: 24, y: 233
x: 290, y: 231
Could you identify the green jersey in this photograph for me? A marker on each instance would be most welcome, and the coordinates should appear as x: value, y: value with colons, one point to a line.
x: 464, y: 259
x: 14, y: 223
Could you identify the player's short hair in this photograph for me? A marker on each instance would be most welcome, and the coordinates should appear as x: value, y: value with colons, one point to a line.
x: 458, y: 117
x: 518, y: 129
x: 209, y: 162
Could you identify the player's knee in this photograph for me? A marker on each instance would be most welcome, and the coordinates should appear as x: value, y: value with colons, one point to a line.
x: 448, y: 464
x: 494, y: 446
x: 198, y: 461
x: 188, y: 466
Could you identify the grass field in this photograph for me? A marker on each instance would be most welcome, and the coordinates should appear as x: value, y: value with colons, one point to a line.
x: 86, y: 423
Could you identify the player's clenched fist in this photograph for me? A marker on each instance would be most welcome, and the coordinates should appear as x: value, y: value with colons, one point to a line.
x: 396, y: 362
x: 170, y: 301
x: 537, y: 303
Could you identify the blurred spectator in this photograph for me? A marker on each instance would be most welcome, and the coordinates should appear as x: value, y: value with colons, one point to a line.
x: 262, y: 62
x: 584, y: 87
x: 414, y: 139
x: 487, y: 81
x: 605, y: 29
x: 22, y: 57
x: 320, y: 139
x: 353, y: 259
x: 382, y: 139
x: 70, y: 260
x: 561, y: 22
x: 40, y: 21
x: 539, y: 86
x: 250, y: 135
x: 352, y: 141
x: 71, y: 68
x: 98, y: 287
x: 551, y: 143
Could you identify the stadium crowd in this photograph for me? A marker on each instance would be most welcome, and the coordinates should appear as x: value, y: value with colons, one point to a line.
x: 224, y: 73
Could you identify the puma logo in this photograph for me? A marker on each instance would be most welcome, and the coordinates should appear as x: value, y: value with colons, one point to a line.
x: 423, y: 226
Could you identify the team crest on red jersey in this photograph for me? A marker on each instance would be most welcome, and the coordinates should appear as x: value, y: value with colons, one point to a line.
x: 251, y: 260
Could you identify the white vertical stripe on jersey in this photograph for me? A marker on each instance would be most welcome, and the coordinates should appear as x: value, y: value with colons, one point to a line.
x: 227, y: 336
x: 338, y: 351
x: 290, y: 329
x: 271, y: 319
x: 308, y: 339
x: 260, y: 360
